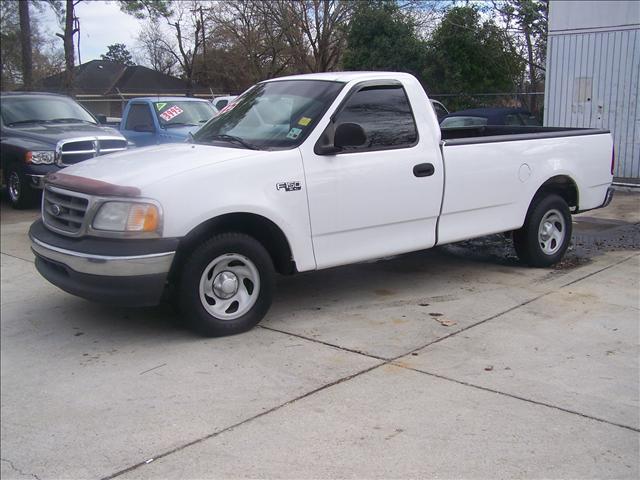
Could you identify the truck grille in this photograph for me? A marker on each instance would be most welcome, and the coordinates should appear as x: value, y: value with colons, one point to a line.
x: 77, y: 150
x: 64, y: 211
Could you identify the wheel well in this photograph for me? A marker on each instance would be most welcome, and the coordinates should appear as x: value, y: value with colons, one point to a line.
x: 563, y: 186
x: 256, y: 226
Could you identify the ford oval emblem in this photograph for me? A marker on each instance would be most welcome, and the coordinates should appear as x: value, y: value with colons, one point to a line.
x: 56, y: 210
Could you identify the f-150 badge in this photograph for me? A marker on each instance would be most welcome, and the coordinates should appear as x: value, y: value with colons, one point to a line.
x: 289, y: 186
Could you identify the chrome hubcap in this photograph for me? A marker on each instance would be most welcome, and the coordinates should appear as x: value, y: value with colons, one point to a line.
x: 551, y: 232
x: 14, y: 186
x: 225, y: 285
x: 229, y: 286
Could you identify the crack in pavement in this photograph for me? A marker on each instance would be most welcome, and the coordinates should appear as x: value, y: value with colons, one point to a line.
x: 517, y: 397
x: 238, y: 424
x: 13, y: 467
x: 383, y: 362
x: 17, y: 258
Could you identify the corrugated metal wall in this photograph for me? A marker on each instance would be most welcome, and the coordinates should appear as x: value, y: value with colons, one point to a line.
x: 592, y: 81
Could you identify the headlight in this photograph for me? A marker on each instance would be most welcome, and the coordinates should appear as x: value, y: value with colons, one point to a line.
x: 40, y: 157
x: 127, y: 217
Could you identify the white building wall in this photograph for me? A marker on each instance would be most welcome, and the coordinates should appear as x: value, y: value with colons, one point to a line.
x: 593, y: 70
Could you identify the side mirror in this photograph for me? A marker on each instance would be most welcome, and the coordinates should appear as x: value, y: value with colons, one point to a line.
x: 102, y: 119
x: 349, y: 135
x: 144, y: 128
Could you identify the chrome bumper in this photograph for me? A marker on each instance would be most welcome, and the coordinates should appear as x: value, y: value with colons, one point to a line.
x: 108, y: 266
x: 37, y: 181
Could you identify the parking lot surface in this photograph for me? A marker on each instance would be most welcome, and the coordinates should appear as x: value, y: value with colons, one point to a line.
x: 456, y: 362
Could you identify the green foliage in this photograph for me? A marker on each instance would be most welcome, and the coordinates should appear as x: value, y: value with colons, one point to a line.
x: 47, y: 56
x: 469, y: 55
x: 143, y: 8
x: 382, y: 37
x: 118, y: 53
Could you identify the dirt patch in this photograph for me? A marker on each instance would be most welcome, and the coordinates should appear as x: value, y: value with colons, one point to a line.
x: 591, y: 237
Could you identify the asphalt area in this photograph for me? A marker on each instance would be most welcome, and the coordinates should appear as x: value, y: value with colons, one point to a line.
x: 451, y: 362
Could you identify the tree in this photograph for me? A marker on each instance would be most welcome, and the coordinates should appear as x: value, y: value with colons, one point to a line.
x: 25, y: 43
x: 142, y: 9
x: 70, y: 26
x: 526, y: 24
x: 46, y: 57
x: 382, y: 37
x: 183, y: 18
x: 250, y: 39
x: 468, y: 55
x: 313, y: 29
x: 153, y: 50
x: 118, y: 53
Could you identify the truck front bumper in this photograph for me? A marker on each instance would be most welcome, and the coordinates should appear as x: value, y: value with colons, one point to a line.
x: 130, y: 280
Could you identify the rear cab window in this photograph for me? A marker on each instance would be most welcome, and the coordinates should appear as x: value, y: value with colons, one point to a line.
x: 452, y: 122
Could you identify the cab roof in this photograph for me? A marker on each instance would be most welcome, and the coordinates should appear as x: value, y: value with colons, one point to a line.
x: 346, y: 77
x: 168, y: 99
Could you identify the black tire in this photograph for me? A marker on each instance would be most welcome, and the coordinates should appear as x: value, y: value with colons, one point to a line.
x: 248, y: 255
x: 19, y: 193
x: 534, y: 245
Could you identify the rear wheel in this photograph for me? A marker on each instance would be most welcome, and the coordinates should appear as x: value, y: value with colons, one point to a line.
x: 546, y: 233
x: 226, y: 286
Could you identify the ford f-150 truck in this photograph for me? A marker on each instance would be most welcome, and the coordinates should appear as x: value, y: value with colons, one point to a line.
x: 42, y: 133
x: 302, y: 173
x: 155, y: 120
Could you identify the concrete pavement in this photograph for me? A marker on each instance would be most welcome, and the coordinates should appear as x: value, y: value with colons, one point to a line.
x: 454, y: 362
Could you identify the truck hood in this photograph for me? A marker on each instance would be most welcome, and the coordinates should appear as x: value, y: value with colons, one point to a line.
x: 181, y: 132
x: 144, y: 166
x: 52, y: 133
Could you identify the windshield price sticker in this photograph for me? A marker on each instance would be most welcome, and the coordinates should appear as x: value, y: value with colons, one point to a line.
x: 171, y: 113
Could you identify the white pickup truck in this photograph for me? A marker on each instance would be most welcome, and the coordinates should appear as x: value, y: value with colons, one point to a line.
x: 302, y: 173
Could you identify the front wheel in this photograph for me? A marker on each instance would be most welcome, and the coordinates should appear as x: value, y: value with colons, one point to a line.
x: 20, y: 193
x: 227, y: 284
x: 546, y: 233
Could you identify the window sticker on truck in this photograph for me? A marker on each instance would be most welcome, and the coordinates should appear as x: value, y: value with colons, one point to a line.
x: 294, y: 133
x: 171, y: 113
x: 160, y: 105
x: 304, y: 121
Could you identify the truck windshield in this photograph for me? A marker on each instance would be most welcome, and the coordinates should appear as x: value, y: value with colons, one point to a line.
x: 179, y: 114
x: 42, y: 109
x: 272, y: 115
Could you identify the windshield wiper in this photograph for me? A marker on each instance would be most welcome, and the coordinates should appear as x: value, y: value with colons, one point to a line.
x: 69, y: 120
x: 24, y: 122
x: 233, y: 138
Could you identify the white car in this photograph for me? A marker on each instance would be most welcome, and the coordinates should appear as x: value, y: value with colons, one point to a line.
x: 222, y: 102
x: 305, y: 173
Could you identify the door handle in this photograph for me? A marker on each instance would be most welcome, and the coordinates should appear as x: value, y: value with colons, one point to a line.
x: 424, y: 170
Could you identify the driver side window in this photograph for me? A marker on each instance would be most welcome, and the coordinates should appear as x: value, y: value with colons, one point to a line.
x: 139, y: 116
x: 384, y: 114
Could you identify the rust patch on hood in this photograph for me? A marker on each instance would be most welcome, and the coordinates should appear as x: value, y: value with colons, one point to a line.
x: 90, y: 186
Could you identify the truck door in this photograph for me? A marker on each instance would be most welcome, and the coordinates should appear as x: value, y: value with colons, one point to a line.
x: 383, y: 197
x: 139, y: 126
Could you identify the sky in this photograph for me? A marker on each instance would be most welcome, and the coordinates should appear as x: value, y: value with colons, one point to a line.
x: 101, y: 24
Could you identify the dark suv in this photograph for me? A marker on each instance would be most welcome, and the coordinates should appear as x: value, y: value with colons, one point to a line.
x: 42, y: 133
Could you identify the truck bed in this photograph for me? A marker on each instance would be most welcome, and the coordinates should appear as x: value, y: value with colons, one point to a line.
x: 508, y: 133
